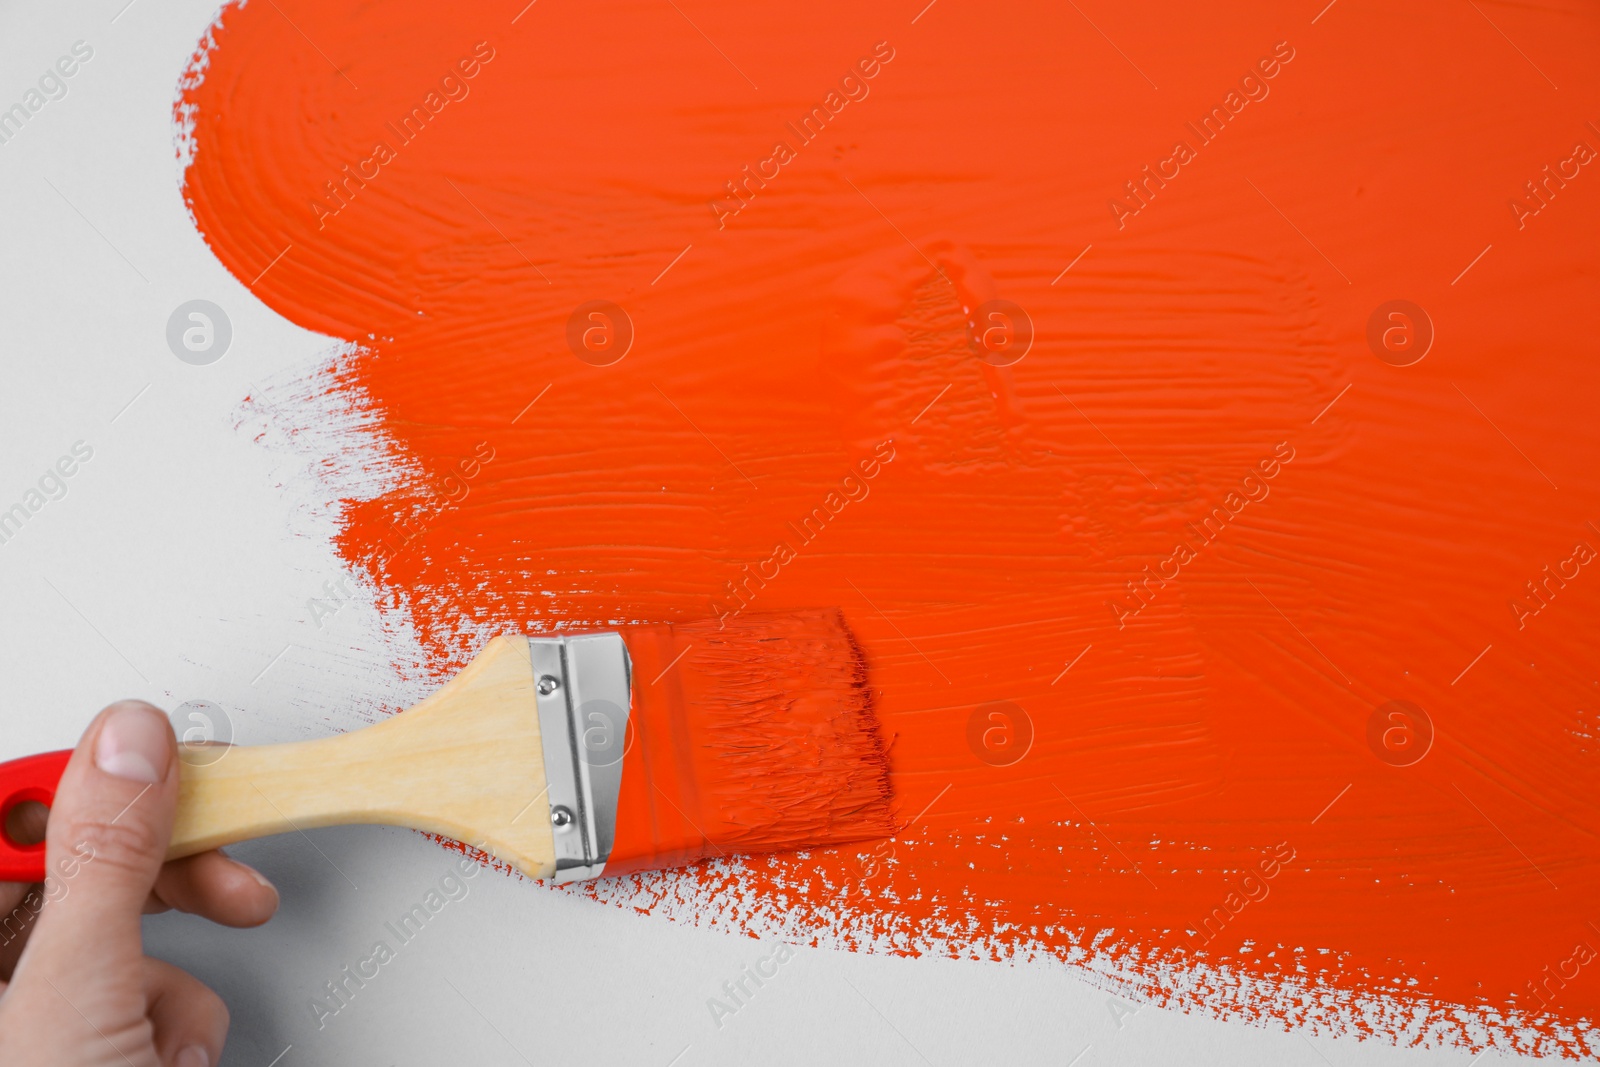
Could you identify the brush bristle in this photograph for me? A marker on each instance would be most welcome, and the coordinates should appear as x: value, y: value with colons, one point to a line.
x: 760, y: 738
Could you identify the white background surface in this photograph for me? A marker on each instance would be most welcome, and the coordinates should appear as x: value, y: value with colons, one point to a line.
x: 179, y: 566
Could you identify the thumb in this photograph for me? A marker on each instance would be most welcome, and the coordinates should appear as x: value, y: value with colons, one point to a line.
x: 104, y: 845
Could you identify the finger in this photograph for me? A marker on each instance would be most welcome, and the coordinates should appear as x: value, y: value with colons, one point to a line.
x: 105, y: 843
x: 189, y: 1021
x: 216, y: 887
x: 22, y: 905
x: 11, y: 895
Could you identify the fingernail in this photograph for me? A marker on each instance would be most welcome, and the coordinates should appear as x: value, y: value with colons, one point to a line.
x: 193, y: 1056
x: 135, y: 743
x: 263, y: 880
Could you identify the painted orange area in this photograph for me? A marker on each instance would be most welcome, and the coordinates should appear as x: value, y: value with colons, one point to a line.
x: 1139, y: 605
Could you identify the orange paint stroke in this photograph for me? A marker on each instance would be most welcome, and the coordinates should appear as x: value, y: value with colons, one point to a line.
x: 1103, y: 549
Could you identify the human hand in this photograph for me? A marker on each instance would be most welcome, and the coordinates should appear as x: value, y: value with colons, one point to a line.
x: 81, y: 991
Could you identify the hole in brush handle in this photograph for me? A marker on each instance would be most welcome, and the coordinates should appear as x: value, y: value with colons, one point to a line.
x: 30, y: 779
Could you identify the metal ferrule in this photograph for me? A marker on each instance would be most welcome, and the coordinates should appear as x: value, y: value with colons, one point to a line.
x: 583, y: 687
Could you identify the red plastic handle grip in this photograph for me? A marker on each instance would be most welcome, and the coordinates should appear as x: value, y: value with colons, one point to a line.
x: 22, y: 780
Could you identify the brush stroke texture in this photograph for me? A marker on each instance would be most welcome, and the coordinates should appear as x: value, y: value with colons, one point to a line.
x: 1222, y: 725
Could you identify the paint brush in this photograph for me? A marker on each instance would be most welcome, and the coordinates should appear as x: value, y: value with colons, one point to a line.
x: 569, y: 756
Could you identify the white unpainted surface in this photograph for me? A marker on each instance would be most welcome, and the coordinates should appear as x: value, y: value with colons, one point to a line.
x: 179, y: 566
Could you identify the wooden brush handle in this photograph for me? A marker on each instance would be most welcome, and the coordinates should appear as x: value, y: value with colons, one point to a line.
x: 465, y: 763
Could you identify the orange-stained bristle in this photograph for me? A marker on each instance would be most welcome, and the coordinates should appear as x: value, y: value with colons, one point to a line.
x: 756, y: 736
